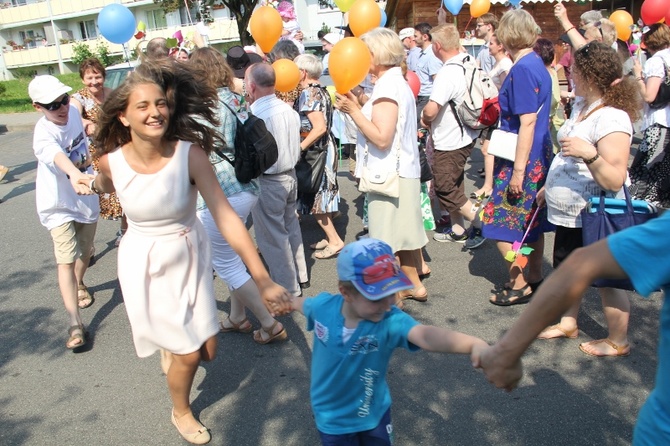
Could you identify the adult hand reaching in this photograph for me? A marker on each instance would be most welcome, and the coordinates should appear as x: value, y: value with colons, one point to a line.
x: 276, y: 298
x: 80, y: 183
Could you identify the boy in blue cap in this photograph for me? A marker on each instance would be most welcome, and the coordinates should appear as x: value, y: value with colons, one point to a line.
x: 355, y: 333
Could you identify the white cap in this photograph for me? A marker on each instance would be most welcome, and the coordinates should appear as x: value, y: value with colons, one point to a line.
x: 46, y: 89
x: 405, y: 33
x: 332, y: 38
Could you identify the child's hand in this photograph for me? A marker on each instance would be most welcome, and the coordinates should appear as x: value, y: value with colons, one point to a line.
x: 276, y: 298
x: 477, y: 348
x: 80, y: 183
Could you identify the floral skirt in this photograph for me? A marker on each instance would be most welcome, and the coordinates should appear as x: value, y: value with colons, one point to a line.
x: 650, y: 170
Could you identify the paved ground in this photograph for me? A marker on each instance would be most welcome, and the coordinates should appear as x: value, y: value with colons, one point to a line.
x: 258, y: 395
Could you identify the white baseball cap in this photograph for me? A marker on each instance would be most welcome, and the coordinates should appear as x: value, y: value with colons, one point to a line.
x: 46, y: 89
x: 405, y: 33
x: 332, y: 38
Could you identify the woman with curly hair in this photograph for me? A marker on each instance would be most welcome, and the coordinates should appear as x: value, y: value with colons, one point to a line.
x: 595, y: 146
x: 154, y: 154
x: 650, y: 170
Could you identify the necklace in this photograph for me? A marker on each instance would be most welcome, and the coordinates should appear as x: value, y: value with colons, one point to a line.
x: 591, y: 109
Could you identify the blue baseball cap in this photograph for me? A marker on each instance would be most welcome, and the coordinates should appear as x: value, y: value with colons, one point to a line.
x: 371, y: 266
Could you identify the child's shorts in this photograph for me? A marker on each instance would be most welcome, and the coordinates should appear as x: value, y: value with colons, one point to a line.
x: 72, y: 240
x: 382, y: 435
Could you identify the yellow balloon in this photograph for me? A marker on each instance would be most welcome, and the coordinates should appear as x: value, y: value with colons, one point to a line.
x: 331, y: 92
x: 288, y: 75
x: 364, y: 15
x: 479, y: 7
x: 344, y: 5
x: 266, y: 27
x: 349, y: 63
x: 622, y: 21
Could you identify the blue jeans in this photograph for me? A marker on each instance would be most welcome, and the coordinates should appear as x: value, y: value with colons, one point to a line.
x: 382, y: 435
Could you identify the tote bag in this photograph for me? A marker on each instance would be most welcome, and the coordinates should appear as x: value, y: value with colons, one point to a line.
x: 604, y: 216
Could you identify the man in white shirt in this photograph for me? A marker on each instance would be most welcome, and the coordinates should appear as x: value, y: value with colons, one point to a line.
x: 276, y: 222
x: 486, y: 26
x: 64, y: 202
x: 453, y: 142
x: 407, y: 38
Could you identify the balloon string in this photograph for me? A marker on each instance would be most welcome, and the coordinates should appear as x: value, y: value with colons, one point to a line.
x: 466, y: 26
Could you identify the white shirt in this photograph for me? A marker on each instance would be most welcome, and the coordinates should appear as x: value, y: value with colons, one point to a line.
x: 450, y: 85
x: 57, y: 202
x: 500, y: 68
x: 284, y: 124
x: 569, y: 181
x: 654, y: 68
x: 392, y: 85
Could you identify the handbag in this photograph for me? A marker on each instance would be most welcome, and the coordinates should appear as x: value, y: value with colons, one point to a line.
x: 311, y: 166
x: 503, y: 143
x: 426, y: 171
x: 381, y: 181
x: 602, y: 217
x: 309, y: 170
x: 662, y: 98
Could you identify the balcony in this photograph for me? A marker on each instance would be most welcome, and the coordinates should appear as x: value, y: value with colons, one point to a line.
x: 35, y: 12
x: 219, y: 31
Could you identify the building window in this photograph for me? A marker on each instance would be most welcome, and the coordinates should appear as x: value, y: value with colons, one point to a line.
x: 188, y: 16
x: 18, y: 2
x: 156, y: 19
x: 27, y: 38
x: 88, y: 30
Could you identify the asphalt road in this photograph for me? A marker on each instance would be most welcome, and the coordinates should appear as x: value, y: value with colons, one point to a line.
x: 259, y: 395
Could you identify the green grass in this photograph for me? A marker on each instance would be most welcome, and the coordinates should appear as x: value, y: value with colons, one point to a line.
x: 15, y: 99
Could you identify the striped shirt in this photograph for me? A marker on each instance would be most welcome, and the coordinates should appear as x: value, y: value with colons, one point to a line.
x: 284, y: 124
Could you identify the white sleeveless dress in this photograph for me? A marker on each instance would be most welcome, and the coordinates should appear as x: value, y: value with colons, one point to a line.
x: 165, y: 266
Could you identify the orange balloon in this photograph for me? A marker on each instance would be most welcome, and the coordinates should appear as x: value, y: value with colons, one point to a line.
x: 266, y: 27
x: 288, y: 75
x: 479, y: 7
x: 364, y: 15
x: 349, y: 63
x: 622, y: 21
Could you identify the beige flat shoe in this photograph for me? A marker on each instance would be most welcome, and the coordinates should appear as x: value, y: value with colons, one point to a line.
x: 202, y: 436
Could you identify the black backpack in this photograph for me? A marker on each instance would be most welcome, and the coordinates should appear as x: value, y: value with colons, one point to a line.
x: 255, y: 148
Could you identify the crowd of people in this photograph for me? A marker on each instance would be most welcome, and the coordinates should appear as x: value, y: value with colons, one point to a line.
x: 159, y: 154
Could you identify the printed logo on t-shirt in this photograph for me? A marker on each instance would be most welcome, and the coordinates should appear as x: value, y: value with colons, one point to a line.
x: 369, y: 378
x: 364, y: 345
x: 77, y: 152
x: 321, y: 331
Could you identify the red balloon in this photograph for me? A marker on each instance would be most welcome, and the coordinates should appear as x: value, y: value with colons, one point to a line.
x: 414, y: 82
x: 653, y: 10
x: 667, y: 16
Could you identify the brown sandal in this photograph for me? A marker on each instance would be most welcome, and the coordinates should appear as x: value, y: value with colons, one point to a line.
x: 243, y: 327
x: 280, y: 336
x: 621, y: 350
x: 84, y: 298
x: 566, y: 334
x: 77, y: 333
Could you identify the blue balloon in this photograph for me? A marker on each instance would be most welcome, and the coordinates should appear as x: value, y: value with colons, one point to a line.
x: 514, y: 3
x: 382, y: 22
x: 454, y: 6
x: 116, y: 23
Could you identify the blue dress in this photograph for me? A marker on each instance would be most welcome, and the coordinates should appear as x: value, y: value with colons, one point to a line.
x: 526, y: 89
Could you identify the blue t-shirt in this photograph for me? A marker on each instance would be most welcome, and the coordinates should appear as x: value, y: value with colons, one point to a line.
x: 651, y: 243
x: 348, y: 388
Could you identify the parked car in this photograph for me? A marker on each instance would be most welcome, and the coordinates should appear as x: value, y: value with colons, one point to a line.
x: 116, y: 74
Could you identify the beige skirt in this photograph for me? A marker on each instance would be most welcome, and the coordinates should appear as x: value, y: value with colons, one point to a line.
x: 398, y: 221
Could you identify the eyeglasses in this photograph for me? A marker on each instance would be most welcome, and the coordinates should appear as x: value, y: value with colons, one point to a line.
x: 55, y: 105
x: 379, y: 271
x: 599, y: 25
x: 479, y: 25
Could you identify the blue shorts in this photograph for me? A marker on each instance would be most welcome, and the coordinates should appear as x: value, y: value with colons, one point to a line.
x: 382, y: 435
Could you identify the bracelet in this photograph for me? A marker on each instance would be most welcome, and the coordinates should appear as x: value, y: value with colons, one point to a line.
x: 592, y: 160
x: 569, y: 29
x: 91, y: 186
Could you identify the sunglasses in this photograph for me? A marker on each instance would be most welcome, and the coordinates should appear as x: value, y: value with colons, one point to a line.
x: 55, y: 105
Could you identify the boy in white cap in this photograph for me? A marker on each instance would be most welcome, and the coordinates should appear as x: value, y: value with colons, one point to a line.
x: 63, y: 172
x: 355, y: 333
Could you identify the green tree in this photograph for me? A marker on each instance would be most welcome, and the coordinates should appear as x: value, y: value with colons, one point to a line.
x: 81, y: 52
x: 240, y: 9
x: 102, y: 53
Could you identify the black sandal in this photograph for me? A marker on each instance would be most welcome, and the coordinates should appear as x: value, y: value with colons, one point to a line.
x: 503, y: 297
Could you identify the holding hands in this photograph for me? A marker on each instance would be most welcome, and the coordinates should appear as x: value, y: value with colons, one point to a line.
x: 275, y: 297
x: 498, y: 369
x: 80, y: 183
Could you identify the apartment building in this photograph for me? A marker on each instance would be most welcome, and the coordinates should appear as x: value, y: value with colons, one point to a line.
x: 39, y: 34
